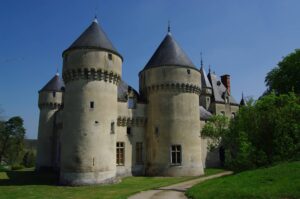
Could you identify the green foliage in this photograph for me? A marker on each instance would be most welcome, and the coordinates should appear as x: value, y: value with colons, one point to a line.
x: 29, y: 159
x: 215, y: 128
x: 12, y: 135
x: 281, y: 181
x: 286, y: 76
x: 17, y: 167
x: 264, y: 133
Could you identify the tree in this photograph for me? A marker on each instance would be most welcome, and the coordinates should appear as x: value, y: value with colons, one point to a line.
x: 215, y: 129
x: 265, y: 132
x: 11, y: 139
x: 286, y: 76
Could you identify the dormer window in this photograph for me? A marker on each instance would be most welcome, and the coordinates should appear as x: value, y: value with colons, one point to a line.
x: 131, y: 103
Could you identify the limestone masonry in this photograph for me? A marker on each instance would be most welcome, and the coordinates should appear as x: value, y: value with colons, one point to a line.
x: 94, y: 127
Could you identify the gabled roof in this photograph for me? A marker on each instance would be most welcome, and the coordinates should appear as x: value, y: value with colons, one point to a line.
x: 169, y: 53
x: 204, y: 80
x: 93, y: 37
x: 204, y: 114
x: 219, y: 90
x: 55, y: 84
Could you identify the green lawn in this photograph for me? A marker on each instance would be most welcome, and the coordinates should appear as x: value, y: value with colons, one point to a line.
x: 27, y: 184
x: 278, y: 182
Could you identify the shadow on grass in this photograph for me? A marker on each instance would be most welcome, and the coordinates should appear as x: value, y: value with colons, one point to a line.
x: 29, y: 178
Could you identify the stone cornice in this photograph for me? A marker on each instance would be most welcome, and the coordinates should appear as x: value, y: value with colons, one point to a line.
x: 92, y: 75
x: 175, y: 87
x: 128, y: 121
x: 50, y: 105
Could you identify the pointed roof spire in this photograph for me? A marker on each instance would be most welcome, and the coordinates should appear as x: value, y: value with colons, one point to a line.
x: 169, y: 53
x: 54, y: 84
x: 242, y: 103
x: 93, y: 38
x: 204, y: 79
x: 201, y: 60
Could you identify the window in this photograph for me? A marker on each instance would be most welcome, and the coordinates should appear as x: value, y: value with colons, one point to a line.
x: 156, y: 131
x: 128, y: 131
x: 120, y: 153
x: 110, y: 56
x: 223, y: 113
x: 188, y: 71
x: 176, y: 154
x: 139, y: 153
x: 91, y: 104
x: 232, y: 115
x: 53, y: 93
x: 131, y: 103
x: 112, y: 127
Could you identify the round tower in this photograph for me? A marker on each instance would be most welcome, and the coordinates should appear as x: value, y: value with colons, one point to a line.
x: 91, y: 71
x: 170, y: 83
x: 50, y: 101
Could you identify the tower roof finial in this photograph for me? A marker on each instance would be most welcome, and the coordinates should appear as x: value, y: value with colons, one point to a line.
x: 95, y: 19
x: 209, y: 68
x: 201, y: 60
x: 169, y: 26
x: 57, y: 74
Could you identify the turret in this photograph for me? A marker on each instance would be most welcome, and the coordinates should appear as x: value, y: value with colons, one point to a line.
x: 50, y: 101
x: 91, y: 71
x: 242, y: 102
x: 206, y: 92
x: 170, y: 83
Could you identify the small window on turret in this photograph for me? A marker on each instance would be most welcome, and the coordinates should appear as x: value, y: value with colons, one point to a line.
x: 53, y: 93
x: 92, y: 104
x: 112, y: 127
x: 188, y: 71
x: 128, y: 131
x: 110, y: 57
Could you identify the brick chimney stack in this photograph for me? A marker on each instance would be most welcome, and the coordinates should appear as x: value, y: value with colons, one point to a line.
x: 226, y: 81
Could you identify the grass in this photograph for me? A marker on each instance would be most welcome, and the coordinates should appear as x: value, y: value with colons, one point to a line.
x: 28, y: 184
x: 278, y: 182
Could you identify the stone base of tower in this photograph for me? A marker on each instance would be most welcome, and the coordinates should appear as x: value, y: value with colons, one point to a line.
x: 175, y: 171
x: 87, y: 178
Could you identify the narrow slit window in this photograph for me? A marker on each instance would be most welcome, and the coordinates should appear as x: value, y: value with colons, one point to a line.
x: 112, y: 127
x: 110, y: 57
x: 120, y: 153
x: 176, y: 154
x: 128, y: 131
x: 92, y: 104
x: 54, y: 94
x: 188, y: 71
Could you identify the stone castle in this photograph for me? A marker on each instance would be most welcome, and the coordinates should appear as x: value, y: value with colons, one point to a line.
x: 94, y: 127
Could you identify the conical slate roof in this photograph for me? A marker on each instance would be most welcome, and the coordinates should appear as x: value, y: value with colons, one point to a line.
x: 169, y: 53
x: 204, y: 80
x: 94, y: 37
x: 55, y: 84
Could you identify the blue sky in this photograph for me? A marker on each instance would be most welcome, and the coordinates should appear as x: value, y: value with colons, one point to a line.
x: 245, y: 39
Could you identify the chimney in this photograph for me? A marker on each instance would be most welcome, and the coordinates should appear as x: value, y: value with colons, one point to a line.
x: 225, y: 79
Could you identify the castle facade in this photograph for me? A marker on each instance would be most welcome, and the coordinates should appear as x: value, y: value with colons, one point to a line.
x: 94, y: 127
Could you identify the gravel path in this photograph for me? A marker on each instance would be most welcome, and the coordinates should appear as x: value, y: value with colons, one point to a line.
x: 175, y: 191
